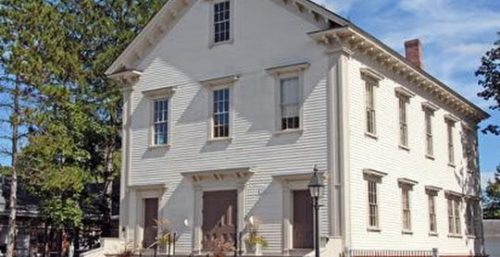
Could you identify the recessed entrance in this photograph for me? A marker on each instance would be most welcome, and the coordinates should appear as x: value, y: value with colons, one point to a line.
x: 219, y: 218
x: 150, y: 216
x: 303, y: 234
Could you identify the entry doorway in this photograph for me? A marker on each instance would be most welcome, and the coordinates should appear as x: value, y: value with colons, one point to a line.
x: 219, y: 218
x: 150, y: 218
x: 303, y: 219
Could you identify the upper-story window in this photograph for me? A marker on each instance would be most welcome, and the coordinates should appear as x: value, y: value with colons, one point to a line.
x: 450, y: 124
x: 222, y: 27
x: 371, y: 79
x: 429, y: 110
x: 290, y: 103
x: 432, y: 192
x: 221, y: 113
x: 160, y: 122
x: 454, y: 221
x: 406, y: 186
x: 404, y: 96
x: 160, y: 100
x: 373, y: 178
x: 470, y: 148
x: 289, y: 80
x: 472, y: 216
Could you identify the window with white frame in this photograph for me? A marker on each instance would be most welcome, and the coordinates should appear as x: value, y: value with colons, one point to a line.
x: 221, y: 113
x: 470, y: 151
x: 403, y: 121
x: 290, y: 103
x: 370, y: 106
x: 429, y: 142
x: 160, y: 121
x: 373, y: 204
x: 405, y: 194
x: 454, y: 222
x: 471, y: 216
x: 451, y: 147
x: 221, y: 21
x: 431, y: 199
x: 373, y: 178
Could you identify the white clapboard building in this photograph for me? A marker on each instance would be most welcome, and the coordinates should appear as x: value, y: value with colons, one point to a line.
x: 228, y: 104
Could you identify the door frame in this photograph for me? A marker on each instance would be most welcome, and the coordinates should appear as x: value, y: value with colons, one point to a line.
x: 210, y: 186
x: 141, y: 194
x: 289, y: 183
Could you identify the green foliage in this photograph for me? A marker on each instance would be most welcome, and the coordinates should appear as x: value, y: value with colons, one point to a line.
x: 489, y: 79
x: 492, y: 199
x: 58, y: 51
x: 5, y: 171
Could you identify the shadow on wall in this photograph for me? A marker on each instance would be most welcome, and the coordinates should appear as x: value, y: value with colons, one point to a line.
x: 179, y: 212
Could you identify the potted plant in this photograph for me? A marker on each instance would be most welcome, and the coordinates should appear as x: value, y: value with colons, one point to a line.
x: 255, y: 242
x: 221, y: 247
x: 165, y: 239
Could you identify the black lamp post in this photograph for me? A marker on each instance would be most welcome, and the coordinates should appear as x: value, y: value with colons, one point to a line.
x: 316, y: 188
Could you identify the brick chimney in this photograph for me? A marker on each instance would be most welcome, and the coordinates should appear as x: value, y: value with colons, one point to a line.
x: 414, y: 53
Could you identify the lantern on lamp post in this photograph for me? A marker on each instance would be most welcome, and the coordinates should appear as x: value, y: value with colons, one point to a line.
x: 316, y: 188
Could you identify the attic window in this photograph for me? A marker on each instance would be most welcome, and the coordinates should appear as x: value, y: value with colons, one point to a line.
x: 221, y: 22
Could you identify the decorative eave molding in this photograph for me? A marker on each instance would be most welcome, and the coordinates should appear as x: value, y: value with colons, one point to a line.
x: 406, y: 182
x: 428, y: 106
x: 433, y: 188
x: 126, y: 78
x: 451, y: 118
x: 289, y: 68
x: 226, y: 80
x: 374, y: 173
x: 450, y: 193
x: 288, y: 177
x: 154, y: 31
x: 160, y: 92
x: 401, y: 91
x: 371, y: 74
x: 361, y: 42
x: 243, y: 174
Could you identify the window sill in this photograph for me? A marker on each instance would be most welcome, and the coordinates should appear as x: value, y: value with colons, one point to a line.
x: 159, y: 147
x: 430, y: 157
x: 288, y: 131
x: 374, y: 229
x: 220, y: 140
x: 471, y: 237
x: 455, y: 236
x: 215, y: 44
x: 406, y: 148
x: 433, y: 234
x: 407, y: 232
x: 371, y: 135
x: 452, y: 165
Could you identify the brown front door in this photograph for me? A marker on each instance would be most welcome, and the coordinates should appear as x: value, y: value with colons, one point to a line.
x: 219, y: 218
x: 150, y: 227
x: 303, y: 237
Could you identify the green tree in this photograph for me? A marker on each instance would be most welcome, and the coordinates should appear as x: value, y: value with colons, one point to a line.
x: 492, y: 198
x: 489, y: 78
x: 61, y: 49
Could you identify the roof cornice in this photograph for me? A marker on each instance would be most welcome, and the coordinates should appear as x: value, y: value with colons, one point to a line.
x: 359, y: 41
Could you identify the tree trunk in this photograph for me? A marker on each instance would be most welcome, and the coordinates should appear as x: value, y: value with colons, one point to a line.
x: 108, y: 193
x: 15, y: 121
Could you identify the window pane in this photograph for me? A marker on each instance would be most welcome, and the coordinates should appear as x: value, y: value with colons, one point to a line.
x: 160, y: 125
x: 221, y: 112
x: 222, y: 21
x: 290, y: 107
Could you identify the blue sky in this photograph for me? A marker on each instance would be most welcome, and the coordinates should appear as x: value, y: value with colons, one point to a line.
x: 455, y: 34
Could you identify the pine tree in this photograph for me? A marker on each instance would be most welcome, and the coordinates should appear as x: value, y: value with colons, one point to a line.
x: 492, y: 199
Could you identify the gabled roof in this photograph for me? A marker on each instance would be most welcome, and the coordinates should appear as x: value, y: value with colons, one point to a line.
x: 334, y: 28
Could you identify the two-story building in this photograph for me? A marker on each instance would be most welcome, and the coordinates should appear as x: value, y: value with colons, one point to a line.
x: 228, y: 104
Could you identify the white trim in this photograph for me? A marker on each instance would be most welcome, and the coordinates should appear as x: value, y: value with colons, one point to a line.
x: 367, y: 73
x: 152, y: 145
x: 403, y: 92
x: 285, y: 72
x: 210, y: 122
x: 429, y: 106
x: 212, y: 42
